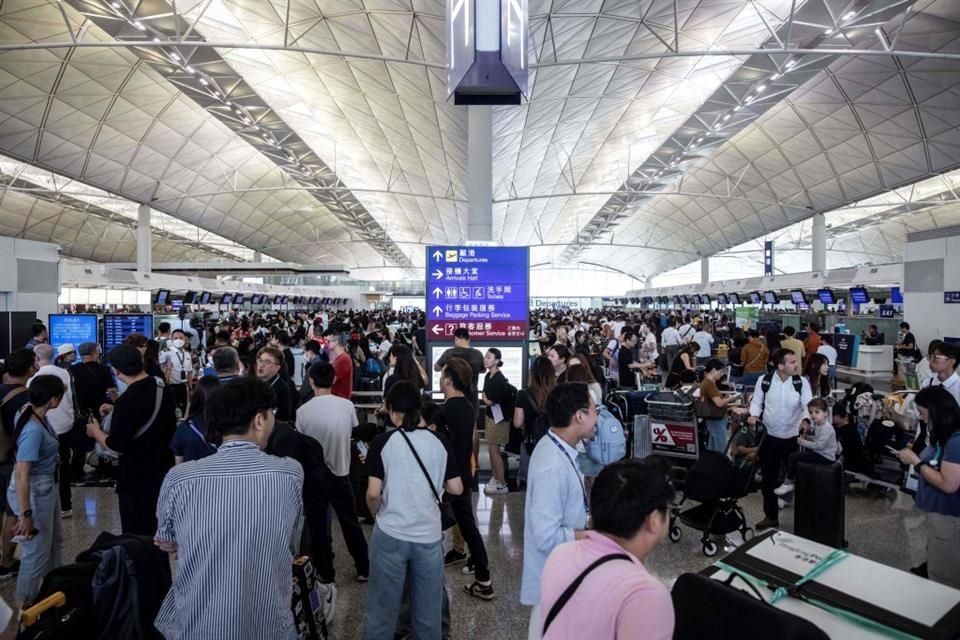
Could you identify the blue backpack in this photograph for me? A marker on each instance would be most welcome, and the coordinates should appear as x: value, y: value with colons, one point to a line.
x: 609, y: 444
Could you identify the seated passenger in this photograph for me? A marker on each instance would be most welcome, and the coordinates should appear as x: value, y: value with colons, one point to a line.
x: 619, y: 598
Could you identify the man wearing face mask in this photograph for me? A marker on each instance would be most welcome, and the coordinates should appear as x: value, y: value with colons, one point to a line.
x: 312, y: 352
x: 177, y: 366
x: 140, y: 431
x: 234, y: 520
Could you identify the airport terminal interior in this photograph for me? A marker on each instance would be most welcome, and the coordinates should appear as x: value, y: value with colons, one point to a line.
x: 479, y: 319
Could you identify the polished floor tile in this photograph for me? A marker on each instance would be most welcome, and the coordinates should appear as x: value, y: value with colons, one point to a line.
x: 882, y: 527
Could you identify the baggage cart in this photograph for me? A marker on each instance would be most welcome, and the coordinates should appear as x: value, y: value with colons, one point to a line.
x: 673, y: 425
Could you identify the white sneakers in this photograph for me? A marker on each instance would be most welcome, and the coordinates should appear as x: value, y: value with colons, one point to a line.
x: 493, y: 488
x: 784, y: 489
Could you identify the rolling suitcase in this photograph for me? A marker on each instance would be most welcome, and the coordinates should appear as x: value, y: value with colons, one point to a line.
x: 819, y: 504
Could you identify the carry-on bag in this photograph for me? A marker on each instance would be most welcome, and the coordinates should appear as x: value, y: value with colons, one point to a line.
x: 818, y: 512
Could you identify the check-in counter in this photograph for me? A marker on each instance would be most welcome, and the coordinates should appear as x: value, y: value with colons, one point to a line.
x: 875, y: 359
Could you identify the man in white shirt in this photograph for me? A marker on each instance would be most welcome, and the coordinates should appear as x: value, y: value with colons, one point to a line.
x: 670, y: 341
x: 330, y: 420
x: 827, y: 350
x: 780, y: 399
x: 704, y: 340
x: 177, y: 364
x: 943, y: 364
x: 61, y: 419
x: 648, y: 345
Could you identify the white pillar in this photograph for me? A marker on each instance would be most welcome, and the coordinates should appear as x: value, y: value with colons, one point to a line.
x: 705, y: 270
x: 144, y: 240
x: 819, y: 242
x: 257, y: 256
x: 480, y: 172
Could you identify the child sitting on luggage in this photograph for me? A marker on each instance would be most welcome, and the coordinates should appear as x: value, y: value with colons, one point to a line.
x: 818, y: 444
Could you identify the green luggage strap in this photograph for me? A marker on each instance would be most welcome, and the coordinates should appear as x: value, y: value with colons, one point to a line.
x: 833, y: 558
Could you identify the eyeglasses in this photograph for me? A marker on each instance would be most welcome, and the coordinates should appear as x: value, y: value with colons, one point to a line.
x: 941, y: 357
x: 591, y: 409
x: 269, y: 363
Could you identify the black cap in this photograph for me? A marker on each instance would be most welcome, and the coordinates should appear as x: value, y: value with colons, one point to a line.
x: 126, y: 359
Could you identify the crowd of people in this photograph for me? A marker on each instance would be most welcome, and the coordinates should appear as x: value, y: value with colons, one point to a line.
x: 233, y: 467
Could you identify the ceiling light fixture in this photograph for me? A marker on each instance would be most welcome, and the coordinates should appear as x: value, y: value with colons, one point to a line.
x: 737, y: 108
x: 850, y: 15
x: 204, y: 81
x: 116, y: 5
x: 726, y: 117
x: 776, y: 76
x: 761, y: 88
x: 138, y: 25
x: 828, y: 32
x: 175, y: 57
x: 189, y: 69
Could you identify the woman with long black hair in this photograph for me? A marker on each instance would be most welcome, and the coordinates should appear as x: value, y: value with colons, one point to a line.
x: 817, y: 373
x: 938, y: 493
x: 32, y: 493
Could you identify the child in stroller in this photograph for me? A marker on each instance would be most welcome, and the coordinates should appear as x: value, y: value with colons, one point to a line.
x: 717, y: 484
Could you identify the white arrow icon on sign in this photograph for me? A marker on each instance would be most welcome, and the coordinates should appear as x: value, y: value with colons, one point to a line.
x: 437, y: 310
x: 436, y: 330
x: 437, y: 255
x: 438, y: 292
x: 438, y: 274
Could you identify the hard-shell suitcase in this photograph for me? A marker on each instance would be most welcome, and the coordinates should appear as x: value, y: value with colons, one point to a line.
x: 640, y: 437
x: 819, y: 503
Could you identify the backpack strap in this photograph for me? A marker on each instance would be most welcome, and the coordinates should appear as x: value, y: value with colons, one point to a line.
x: 569, y: 591
x: 13, y: 393
x: 798, y: 384
x: 156, y: 411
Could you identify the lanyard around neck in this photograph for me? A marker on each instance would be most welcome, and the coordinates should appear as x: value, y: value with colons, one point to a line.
x: 583, y: 490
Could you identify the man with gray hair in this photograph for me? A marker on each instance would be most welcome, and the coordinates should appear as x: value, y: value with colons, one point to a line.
x: 342, y: 366
x: 226, y: 362
x: 60, y: 419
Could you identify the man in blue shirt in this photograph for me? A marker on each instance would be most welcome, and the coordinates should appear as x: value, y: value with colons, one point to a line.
x: 234, y: 520
x: 556, y: 503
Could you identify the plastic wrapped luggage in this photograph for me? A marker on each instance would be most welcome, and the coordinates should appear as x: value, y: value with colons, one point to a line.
x: 819, y: 503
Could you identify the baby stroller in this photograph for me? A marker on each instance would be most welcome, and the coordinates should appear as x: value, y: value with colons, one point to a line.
x: 717, y: 485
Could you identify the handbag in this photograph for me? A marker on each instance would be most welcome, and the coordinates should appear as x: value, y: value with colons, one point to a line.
x: 708, y: 410
x: 105, y: 452
x: 447, y: 519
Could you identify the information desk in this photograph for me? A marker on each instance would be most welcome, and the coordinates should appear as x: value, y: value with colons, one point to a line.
x: 898, y: 600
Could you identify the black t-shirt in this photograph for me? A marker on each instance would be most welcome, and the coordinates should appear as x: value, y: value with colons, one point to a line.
x: 473, y: 357
x: 628, y: 378
x: 285, y: 408
x: 497, y: 391
x: 458, y: 415
x: 146, y: 459
x: 90, y: 383
x: 9, y: 410
x: 530, y: 411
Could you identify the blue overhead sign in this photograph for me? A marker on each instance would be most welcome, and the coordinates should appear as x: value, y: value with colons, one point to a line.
x: 484, y: 289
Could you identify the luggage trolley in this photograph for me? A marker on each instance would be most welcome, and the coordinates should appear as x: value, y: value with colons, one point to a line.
x: 673, y: 425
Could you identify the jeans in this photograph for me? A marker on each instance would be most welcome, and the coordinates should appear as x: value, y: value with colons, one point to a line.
x: 774, y: 453
x: 339, y: 495
x: 463, y: 511
x: 42, y: 553
x: 392, y: 563
x: 535, y: 628
x: 717, y: 428
x: 832, y: 375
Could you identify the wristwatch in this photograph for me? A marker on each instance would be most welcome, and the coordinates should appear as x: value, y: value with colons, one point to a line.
x: 27, y: 513
x: 922, y: 463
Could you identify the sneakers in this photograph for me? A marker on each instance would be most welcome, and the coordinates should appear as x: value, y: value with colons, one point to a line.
x: 784, y: 489
x: 781, y: 504
x: 480, y: 590
x: 767, y: 523
x: 468, y: 569
x: 453, y: 557
x: 363, y: 578
x: 66, y: 513
x: 10, y: 572
x: 494, y: 488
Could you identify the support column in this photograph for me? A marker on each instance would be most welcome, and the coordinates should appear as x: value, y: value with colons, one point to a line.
x: 144, y: 240
x: 705, y: 270
x: 257, y: 256
x: 819, y: 252
x: 480, y: 172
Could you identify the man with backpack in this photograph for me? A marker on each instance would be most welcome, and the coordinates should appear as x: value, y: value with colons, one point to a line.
x: 141, y: 426
x: 780, y: 404
x: 21, y: 366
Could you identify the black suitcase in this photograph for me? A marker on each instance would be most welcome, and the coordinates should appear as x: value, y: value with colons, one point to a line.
x: 818, y: 512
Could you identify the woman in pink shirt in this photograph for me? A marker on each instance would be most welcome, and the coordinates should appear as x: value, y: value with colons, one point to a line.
x: 597, y: 587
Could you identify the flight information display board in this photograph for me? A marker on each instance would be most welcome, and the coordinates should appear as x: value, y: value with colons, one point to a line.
x: 484, y: 289
x: 117, y: 326
x: 72, y: 328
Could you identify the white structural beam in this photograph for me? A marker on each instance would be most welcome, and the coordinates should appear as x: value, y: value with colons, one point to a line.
x: 144, y: 239
x: 480, y: 173
x: 819, y: 242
